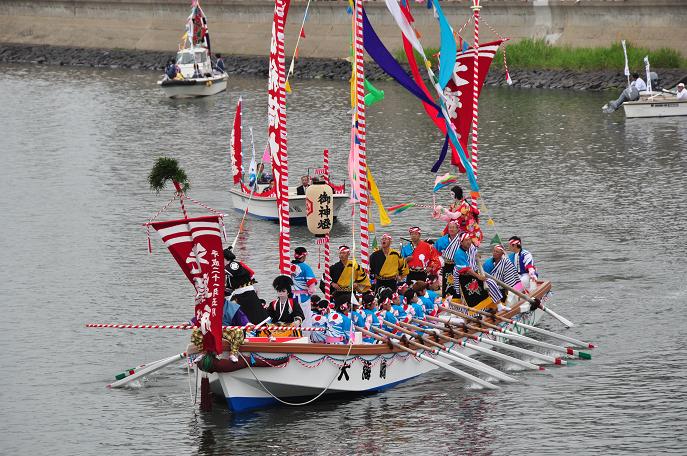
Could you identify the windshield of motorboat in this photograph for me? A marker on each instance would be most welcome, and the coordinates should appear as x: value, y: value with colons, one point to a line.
x: 201, y: 57
x: 185, y: 58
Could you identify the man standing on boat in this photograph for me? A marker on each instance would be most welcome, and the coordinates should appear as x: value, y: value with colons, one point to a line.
x: 347, y: 273
x: 447, y: 246
x: 304, y: 282
x: 630, y: 94
x: 305, y: 183
x: 420, y: 257
x: 219, y: 64
x: 387, y: 267
x: 524, y: 263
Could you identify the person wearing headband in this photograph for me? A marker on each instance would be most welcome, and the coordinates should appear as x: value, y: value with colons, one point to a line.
x: 338, y: 321
x: 524, y: 263
x: 447, y: 246
x: 499, y: 266
x: 346, y: 273
x: 467, y: 280
x: 304, y: 282
x: 387, y: 267
x: 420, y: 257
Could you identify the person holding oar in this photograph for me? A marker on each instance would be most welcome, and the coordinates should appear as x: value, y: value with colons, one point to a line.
x: 524, y: 263
x: 467, y: 279
x: 501, y: 267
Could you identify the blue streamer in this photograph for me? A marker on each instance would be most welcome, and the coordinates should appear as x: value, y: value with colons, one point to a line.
x: 442, y: 156
x: 448, y: 50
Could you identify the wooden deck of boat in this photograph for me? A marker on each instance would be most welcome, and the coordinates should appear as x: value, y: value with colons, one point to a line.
x: 357, y: 349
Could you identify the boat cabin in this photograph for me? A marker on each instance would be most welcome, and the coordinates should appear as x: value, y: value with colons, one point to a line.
x: 187, y: 59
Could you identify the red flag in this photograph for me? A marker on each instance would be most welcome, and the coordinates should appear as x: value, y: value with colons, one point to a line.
x: 236, y: 146
x: 302, y: 32
x: 196, y: 245
x: 459, y: 91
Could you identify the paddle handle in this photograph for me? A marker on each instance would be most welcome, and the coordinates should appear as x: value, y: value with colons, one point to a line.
x: 157, y: 365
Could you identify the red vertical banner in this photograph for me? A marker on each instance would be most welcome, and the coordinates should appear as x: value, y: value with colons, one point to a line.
x: 236, y: 145
x: 196, y: 245
x: 276, y: 114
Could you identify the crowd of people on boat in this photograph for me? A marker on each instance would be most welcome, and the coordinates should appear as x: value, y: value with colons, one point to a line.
x: 400, y: 286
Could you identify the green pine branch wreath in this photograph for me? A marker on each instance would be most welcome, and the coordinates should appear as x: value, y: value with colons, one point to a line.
x: 165, y: 169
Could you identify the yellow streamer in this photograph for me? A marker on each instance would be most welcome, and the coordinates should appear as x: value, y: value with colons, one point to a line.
x: 287, y: 87
x: 384, y: 219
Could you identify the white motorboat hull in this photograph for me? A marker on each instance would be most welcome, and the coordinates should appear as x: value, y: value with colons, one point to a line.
x: 306, y: 375
x: 192, y: 88
x: 265, y: 208
x: 657, y: 107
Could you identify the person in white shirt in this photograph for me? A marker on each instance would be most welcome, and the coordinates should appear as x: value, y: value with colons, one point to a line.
x: 681, y: 92
x: 630, y: 94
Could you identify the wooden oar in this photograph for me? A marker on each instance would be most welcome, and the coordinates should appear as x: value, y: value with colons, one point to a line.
x: 478, y: 348
x: 509, y: 347
x: 534, y: 301
x: 531, y: 328
x: 508, y: 334
x: 460, y: 358
x: 394, y: 340
x: 151, y: 367
x: 444, y: 352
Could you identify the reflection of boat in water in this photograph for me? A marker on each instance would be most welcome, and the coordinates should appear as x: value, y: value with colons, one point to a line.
x: 656, y: 104
x: 194, y: 73
x: 265, y: 207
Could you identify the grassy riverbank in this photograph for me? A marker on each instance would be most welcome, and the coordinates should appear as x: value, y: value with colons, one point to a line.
x: 538, y: 55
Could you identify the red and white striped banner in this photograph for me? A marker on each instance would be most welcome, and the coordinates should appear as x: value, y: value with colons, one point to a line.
x: 277, y: 131
x: 474, y: 152
x: 196, y: 245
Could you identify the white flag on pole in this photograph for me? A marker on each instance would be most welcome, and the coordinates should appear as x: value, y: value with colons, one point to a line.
x: 627, y: 67
x: 648, y: 73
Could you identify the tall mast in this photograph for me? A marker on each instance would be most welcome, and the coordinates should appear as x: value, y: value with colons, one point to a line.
x: 359, y: 73
x: 277, y: 131
x: 474, y: 152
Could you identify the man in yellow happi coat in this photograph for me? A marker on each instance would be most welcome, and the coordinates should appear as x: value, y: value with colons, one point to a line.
x: 387, y: 267
x: 348, y: 272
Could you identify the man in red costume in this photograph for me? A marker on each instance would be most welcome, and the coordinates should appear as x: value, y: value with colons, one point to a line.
x: 421, y: 257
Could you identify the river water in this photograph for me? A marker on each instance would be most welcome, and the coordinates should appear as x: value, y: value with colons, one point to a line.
x: 598, y: 199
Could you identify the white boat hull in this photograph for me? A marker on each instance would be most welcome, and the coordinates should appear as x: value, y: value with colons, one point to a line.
x: 306, y: 375
x: 266, y: 207
x: 657, y: 107
x: 192, y: 88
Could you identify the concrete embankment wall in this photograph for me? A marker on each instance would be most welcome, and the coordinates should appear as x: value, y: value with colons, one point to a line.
x: 244, y: 27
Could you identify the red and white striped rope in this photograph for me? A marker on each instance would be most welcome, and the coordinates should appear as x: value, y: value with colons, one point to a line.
x: 503, y: 49
x: 364, y: 198
x: 187, y: 327
x: 325, y: 275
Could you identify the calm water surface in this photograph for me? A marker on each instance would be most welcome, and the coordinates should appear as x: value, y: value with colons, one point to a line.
x: 600, y: 200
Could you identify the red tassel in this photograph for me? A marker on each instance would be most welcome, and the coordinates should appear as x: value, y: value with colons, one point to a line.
x: 302, y: 33
x: 205, y: 397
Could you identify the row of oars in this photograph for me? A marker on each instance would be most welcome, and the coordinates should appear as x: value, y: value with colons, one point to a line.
x: 431, y: 335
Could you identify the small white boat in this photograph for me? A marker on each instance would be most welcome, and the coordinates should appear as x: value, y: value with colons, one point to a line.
x: 655, y: 104
x: 194, y: 75
x: 188, y: 86
x: 265, y: 207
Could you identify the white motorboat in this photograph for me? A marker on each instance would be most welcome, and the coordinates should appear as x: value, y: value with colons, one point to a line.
x: 194, y: 75
x: 265, y: 207
x: 656, y: 104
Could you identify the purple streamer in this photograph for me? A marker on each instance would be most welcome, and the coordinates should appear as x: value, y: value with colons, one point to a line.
x: 442, y: 156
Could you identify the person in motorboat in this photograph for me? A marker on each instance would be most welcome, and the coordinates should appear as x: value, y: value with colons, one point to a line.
x: 347, y: 272
x: 524, y: 263
x: 171, y: 69
x: 500, y: 266
x: 284, y: 310
x: 219, y: 63
x: 305, y: 183
x: 304, y: 282
x: 637, y: 85
x: 387, y: 267
x: 681, y: 92
x: 197, y: 74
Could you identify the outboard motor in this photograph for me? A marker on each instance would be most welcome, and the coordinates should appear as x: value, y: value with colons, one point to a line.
x: 655, y: 81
